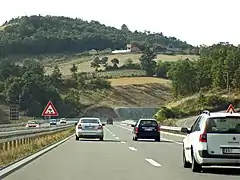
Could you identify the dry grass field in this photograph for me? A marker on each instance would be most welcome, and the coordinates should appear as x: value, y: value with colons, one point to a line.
x: 138, y: 80
x: 83, y: 63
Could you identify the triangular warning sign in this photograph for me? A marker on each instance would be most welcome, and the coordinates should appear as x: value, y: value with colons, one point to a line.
x: 50, y: 110
x: 230, y: 109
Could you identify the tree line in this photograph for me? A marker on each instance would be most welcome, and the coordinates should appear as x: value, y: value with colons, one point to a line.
x: 28, y: 86
x: 52, y: 34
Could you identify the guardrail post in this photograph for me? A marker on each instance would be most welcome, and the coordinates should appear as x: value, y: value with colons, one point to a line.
x: 2, y: 146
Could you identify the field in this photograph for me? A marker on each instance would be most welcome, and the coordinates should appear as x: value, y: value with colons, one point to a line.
x: 132, y: 92
x: 83, y: 63
x: 139, y: 80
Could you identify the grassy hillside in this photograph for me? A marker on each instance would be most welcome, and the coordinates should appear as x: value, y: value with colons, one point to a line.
x: 83, y: 63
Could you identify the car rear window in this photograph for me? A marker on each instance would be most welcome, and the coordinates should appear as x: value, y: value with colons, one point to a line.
x: 90, y: 121
x: 32, y: 122
x: 223, y: 125
x: 148, y: 123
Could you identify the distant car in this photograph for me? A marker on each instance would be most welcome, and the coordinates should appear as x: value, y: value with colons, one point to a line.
x: 53, y: 122
x: 63, y: 121
x: 89, y: 128
x: 31, y: 124
x: 109, y: 121
x: 214, y: 139
x: 146, y: 129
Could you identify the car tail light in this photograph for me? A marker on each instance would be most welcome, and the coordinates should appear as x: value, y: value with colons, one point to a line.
x: 203, y: 136
x: 100, y: 127
x: 79, y: 126
x: 136, y: 129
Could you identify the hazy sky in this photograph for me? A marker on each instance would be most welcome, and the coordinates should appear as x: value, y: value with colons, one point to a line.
x: 195, y: 21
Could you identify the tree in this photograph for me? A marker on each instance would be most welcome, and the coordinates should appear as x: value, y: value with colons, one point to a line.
x: 147, y: 61
x: 74, y: 70
x: 96, y: 63
x: 115, y: 62
x: 56, y: 77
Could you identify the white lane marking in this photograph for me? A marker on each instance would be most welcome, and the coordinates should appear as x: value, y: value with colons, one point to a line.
x: 132, y: 148
x: 117, y: 137
x: 123, y: 142
x: 168, y: 133
x: 171, y: 141
x: 109, y: 131
x: 154, y: 163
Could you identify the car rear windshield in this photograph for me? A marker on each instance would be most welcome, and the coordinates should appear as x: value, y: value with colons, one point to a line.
x: 148, y: 123
x: 96, y: 121
x: 32, y: 122
x: 223, y: 125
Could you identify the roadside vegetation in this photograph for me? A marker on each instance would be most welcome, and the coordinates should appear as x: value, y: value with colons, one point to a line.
x: 24, y: 150
x: 212, y: 81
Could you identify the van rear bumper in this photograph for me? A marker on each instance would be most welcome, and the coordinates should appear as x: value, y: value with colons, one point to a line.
x: 204, y: 158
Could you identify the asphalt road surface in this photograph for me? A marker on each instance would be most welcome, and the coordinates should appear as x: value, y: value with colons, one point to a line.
x: 117, y: 158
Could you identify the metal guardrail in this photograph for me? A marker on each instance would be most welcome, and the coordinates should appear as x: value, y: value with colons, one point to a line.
x: 10, y: 134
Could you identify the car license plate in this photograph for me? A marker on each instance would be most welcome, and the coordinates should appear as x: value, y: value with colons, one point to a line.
x: 231, y: 151
x: 148, y: 129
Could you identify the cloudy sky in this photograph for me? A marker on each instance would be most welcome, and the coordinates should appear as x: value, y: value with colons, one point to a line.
x: 195, y: 21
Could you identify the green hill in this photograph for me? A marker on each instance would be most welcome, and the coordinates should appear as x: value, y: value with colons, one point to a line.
x: 52, y: 34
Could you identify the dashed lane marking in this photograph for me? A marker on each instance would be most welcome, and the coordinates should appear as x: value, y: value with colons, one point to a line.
x: 152, y: 162
x: 132, y: 148
x: 117, y: 137
x: 123, y: 142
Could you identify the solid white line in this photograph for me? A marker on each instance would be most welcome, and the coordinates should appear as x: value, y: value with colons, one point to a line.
x: 123, y: 142
x: 132, y: 148
x: 154, y: 163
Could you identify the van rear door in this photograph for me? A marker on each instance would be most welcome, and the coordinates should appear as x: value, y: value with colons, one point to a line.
x: 223, y: 135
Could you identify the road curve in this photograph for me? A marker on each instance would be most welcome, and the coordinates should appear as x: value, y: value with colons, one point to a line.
x: 118, y: 158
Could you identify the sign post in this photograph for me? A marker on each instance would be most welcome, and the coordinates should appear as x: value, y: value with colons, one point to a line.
x: 230, y: 109
x: 50, y: 110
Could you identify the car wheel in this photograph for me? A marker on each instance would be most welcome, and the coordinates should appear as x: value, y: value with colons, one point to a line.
x: 157, y: 139
x: 77, y: 138
x: 185, y: 163
x: 135, y: 138
x: 195, y: 166
x: 101, y: 138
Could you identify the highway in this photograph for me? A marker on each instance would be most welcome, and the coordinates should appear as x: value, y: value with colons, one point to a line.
x: 117, y: 158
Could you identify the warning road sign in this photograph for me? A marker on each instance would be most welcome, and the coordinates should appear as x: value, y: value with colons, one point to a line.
x: 50, y: 110
x: 230, y: 109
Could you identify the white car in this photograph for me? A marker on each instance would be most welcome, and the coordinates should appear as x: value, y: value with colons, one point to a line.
x: 32, y: 124
x: 63, y: 121
x: 214, y: 139
x: 89, y: 128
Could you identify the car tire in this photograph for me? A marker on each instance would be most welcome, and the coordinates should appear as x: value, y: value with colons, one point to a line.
x: 195, y: 166
x: 101, y: 138
x: 158, y: 139
x: 185, y: 163
x: 77, y: 138
x: 135, y: 138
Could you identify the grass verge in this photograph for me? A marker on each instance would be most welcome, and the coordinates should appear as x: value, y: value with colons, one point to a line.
x: 24, y: 150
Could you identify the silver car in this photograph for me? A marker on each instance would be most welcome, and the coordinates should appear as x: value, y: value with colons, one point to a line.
x: 89, y: 128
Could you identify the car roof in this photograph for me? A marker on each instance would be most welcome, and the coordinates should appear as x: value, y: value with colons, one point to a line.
x: 220, y: 114
x: 89, y: 118
x: 147, y: 119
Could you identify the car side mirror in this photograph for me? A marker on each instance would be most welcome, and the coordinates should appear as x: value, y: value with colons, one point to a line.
x: 103, y: 124
x: 132, y: 125
x: 185, y: 130
x: 75, y: 124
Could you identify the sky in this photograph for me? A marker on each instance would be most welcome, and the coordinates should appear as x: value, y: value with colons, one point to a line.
x: 194, y: 21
